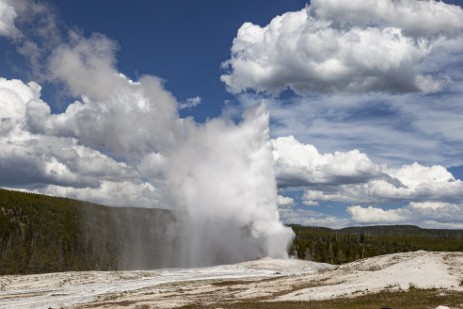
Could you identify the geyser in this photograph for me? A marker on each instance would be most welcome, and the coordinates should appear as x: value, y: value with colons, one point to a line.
x: 123, y: 142
x: 221, y: 185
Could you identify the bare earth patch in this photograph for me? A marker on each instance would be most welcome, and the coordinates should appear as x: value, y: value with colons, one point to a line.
x: 263, y: 281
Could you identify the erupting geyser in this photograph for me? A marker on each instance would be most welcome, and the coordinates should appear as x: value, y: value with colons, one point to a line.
x: 122, y: 142
x: 221, y: 184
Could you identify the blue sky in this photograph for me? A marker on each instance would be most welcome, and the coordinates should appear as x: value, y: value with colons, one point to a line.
x: 364, y: 99
x: 183, y: 42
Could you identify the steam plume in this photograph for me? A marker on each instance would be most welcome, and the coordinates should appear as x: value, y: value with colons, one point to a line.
x: 221, y: 183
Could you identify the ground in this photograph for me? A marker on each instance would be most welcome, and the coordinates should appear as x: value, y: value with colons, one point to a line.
x: 263, y: 281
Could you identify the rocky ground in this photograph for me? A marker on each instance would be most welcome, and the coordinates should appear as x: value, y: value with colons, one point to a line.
x: 264, y: 280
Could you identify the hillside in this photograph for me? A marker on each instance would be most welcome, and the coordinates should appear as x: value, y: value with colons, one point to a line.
x: 41, y: 233
x: 46, y: 234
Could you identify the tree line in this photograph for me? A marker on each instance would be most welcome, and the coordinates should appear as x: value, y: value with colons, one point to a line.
x: 40, y: 233
x: 349, y: 244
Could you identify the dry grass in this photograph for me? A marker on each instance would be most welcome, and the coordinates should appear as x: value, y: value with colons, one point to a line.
x: 415, y: 299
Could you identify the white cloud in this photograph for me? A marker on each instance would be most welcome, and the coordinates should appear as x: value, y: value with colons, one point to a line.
x: 298, y: 164
x: 285, y: 201
x: 424, y: 214
x: 60, y: 164
x: 392, y: 130
x: 344, y: 46
x: 190, y: 103
x: 413, y: 182
x: 437, y: 211
x: 36, y: 160
x: 7, y: 16
x: 67, y: 154
x: 125, y: 118
x: 430, y: 191
x: 87, y: 66
x: 138, y: 119
x: 122, y: 193
x: 439, y: 215
x: 13, y: 96
x: 352, y: 178
x: 308, y: 202
x: 376, y: 215
x: 312, y: 218
x: 416, y: 18
x: 415, y: 176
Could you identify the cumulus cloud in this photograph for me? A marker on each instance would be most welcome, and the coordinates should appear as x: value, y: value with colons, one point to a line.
x: 107, y: 143
x: 374, y: 215
x: 285, y: 201
x: 35, y: 161
x: 126, y: 118
x: 61, y: 153
x: 426, y: 214
x: 13, y: 97
x: 431, y: 192
x: 137, y: 119
x: 354, y: 46
x: 352, y: 178
x: 298, y: 164
x: 61, y: 165
x: 413, y: 182
x: 440, y: 215
x: 416, y: 18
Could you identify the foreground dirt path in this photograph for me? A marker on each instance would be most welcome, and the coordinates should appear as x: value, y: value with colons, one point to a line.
x: 260, y: 280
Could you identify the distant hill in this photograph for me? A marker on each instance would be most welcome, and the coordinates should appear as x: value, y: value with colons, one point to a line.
x: 349, y: 244
x: 41, y: 233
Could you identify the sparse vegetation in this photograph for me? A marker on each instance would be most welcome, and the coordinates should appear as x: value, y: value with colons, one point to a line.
x: 416, y: 299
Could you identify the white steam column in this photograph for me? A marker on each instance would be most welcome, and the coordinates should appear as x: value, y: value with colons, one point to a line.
x: 221, y: 184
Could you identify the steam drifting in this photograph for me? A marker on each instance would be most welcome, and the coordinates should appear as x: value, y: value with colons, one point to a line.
x: 222, y: 185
